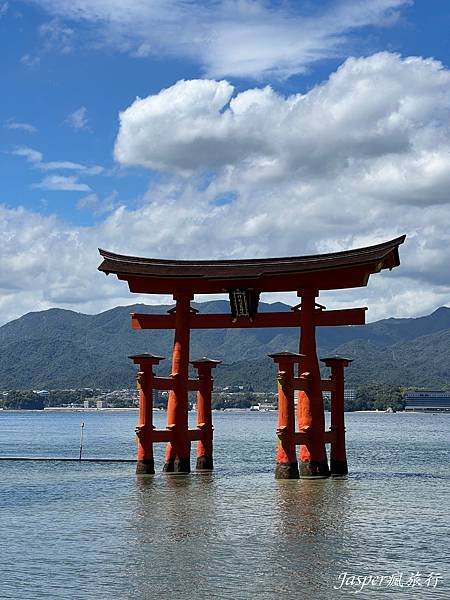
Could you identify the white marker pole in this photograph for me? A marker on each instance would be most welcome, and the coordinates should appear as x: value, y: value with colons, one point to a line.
x: 81, y: 438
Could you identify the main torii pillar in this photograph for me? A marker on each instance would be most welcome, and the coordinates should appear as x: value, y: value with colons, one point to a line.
x: 179, y: 450
x: 311, y: 419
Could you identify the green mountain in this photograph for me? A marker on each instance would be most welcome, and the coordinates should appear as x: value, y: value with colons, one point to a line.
x: 64, y: 349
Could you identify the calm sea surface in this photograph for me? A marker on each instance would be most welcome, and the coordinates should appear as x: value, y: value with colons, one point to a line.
x: 95, y: 530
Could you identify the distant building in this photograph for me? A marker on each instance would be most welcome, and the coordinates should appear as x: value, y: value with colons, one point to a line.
x: 101, y: 404
x: 266, y: 406
x: 86, y: 404
x: 349, y: 395
x: 430, y: 400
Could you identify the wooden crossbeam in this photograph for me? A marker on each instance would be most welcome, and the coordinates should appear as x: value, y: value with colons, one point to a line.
x: 328, y: 385
x: 195, y: 434
x: 302, y: 383
x: 350, y: 316
x: 161, y: 435
x: 166, y: 435
x: 168, y: 383
x: 163, y: 383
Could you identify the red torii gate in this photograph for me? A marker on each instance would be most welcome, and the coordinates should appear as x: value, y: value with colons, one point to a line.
x: 244, y: 280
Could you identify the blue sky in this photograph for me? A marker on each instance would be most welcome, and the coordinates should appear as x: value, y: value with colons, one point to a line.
x: 264, y: 128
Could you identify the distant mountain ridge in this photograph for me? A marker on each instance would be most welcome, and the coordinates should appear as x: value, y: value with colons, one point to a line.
x: 59, y: 348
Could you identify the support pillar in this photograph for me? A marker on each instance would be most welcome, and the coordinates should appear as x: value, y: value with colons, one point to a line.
x: 144, y: 429
x: 287, y: 466
x: 338, y: 454
x: 311, y: 418
x: 177, y: 459
x: 204, y: 367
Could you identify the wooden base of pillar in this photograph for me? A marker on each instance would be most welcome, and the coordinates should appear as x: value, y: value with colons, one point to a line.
x: 286, y: 471
x: 204, y: 463
x: 177, y: 465
x: 145, y: 467
x: 311, y: 468
x: 338, y: 467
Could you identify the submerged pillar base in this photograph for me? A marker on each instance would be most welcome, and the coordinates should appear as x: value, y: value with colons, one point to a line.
x: 204, y: 463
x: 286, y: 471
x: 177, y: 465
x: 313, y: 468
x: 338, y: 467
x: 145, y: 466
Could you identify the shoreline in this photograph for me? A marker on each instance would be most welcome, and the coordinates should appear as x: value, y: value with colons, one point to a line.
x: 65, y: 409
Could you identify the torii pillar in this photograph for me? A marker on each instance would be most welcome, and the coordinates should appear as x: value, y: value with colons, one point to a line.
x: 338, y: 454
x: 287, y: 466
x: 144, y: 430
x: 178, y: 451
x: 204, y: 367
x: 310, y: 409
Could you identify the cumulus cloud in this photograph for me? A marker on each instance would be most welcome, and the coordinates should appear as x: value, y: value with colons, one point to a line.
x: 245, y: 38
x: 381, y: 118
x: 45, y: 263
x: 359, y: 159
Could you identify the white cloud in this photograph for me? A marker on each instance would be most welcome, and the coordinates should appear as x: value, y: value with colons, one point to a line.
x: 100, y: 206
x: 65, y: 165
x: 363, y: 157
x: 33, y: 156
x: 246, y: 38
x: 45, y: 263
x: 78, y: 118
x: 377, y: 119
x: 30, y: 61
x: 87, y: 201
x: 62, y: 183
x: 12, y: 124
x: 357, y: 160
x: 36, y: 158
x: 56, y: 36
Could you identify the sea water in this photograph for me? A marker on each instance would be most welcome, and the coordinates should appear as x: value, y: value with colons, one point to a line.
x: 96, y: 531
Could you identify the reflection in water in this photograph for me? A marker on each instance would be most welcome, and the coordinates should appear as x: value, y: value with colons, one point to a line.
x: 173, y: 521
x: 312, y: 517
x: 261, y: 537
x: 310, y: 507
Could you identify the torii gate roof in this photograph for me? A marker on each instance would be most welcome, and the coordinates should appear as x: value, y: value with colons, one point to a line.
x: 336, y: 270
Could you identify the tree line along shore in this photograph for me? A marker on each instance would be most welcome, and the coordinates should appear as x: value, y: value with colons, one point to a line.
x: 373, y: 396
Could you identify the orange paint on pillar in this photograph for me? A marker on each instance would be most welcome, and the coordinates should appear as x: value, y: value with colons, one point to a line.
x: 144, y: 429
x: 338, y: 453
x: 310, y: 411
x: 286, y: 457
x: 204, y: 413
x: 177, y: 458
